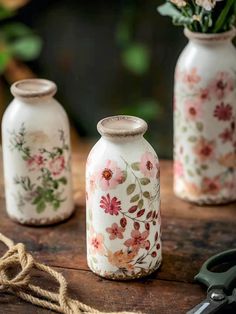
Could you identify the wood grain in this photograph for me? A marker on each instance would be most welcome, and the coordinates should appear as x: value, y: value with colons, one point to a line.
x: 190, y: 235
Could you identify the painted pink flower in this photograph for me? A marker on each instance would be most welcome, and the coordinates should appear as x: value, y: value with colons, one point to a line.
x: 148, y: 165
x: 211, y: 185
x: 138, y: 240
x: 222, y: 84
x: 191, y: 78
x: 57, y: 165
x: 178, y: 168
x: 192, y: 189
x: 35, y: 162
x: 204, y: 149
x: 96, y: 242
x: 203, y: 94
x: 231, y: 187
x: 226, y: 135
x: 110, y: 175
x: 115, y: 231
x: 193, y: 110
x: 111, y: 206
x: 223, y: 112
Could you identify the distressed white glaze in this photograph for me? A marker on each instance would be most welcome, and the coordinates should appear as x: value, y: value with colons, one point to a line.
x: 204, y: 119
x: 36, y: 155
x: 123, y: 201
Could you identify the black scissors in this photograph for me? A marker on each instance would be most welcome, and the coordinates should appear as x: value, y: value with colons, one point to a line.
x: 221, y: 285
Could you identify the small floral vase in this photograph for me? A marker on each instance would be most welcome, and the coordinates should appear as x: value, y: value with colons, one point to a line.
x: 36, y: 155
x: 123, y: 201
x: 204, y: 119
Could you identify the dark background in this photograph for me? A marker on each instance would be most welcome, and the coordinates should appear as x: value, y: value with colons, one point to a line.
x: 108, y: 57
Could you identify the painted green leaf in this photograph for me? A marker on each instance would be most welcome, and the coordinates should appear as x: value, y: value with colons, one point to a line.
x: 135, y: 198
x: 37, y: 199
x: 199, y: 126
x: 146, y: 194
x: 198, y: 171
x: 55, y: 184
x: 192, y: 139
x: 204, y: 167
x: 40, y: 207
x: 190, y: 173
x: 130, y: 189
x: 140, y: 203
x: 124, y: 175
x: 56, y: 204
x: 135, y: 166
x: 94, y: 260
x: 144, y: 181
x: 63, y: 180
x: 186, y: 158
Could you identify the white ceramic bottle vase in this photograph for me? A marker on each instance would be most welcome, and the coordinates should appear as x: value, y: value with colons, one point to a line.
x: 123, y: 201
x: 36, y: 155
x: 204, y: 119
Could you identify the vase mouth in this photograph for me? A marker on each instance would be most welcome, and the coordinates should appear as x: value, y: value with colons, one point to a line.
x: 210, y: 37
x: 121, y: 126
x: 33, y: 88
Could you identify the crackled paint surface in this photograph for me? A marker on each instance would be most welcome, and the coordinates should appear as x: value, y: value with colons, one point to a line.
x: 123, y: 215
x: 205, y: 136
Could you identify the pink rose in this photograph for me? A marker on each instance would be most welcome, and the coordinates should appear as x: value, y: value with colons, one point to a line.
x: 57, y: 165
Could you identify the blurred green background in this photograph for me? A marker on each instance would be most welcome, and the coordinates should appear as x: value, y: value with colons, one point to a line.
x: 107, y: 57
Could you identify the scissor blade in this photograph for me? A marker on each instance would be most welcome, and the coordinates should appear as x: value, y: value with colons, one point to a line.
x: 207, y: 306
x: 199, y: 308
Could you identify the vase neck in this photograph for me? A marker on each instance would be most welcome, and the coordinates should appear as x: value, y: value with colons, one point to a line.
x: 33, y: 90
x: 122, y: 128
x: 211, y: 39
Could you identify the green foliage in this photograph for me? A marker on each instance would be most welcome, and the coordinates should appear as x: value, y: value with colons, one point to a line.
x: 5, y: 13
x: 26, y: 48
x: 167, y: 9
x: 216, y: 18
x: 148, y: 109
x: 222, y: 19
x: 136, y: 58
x: 4, y: 59
x: 18, y: 41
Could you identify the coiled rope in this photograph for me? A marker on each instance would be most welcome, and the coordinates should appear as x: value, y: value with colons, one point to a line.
x: 17, y: 256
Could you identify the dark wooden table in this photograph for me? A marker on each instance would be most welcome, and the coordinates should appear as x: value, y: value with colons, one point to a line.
x: 190, y: 235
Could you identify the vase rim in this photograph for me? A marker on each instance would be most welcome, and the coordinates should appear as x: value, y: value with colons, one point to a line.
x: 121, y: 126
x: 207, y: 37
x: 33, y: 88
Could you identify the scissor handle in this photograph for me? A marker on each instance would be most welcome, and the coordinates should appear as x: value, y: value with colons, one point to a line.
x: 222, y: 280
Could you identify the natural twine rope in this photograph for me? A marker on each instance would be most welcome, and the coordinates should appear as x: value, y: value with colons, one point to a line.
x: 20, y: 285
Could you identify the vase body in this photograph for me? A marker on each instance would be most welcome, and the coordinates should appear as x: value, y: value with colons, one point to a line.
x: 123, y: 202
x: 36, y: 155
x: 204, y: 119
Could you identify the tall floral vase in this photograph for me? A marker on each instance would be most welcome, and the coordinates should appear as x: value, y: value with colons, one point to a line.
x: 36, y: 155
x: 204, y: 119
x: 123, y: 201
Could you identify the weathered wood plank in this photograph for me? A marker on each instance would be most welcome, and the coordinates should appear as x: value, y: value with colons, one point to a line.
x: 190, y: 235
x: 146, y: 295
x: 184, y: 240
